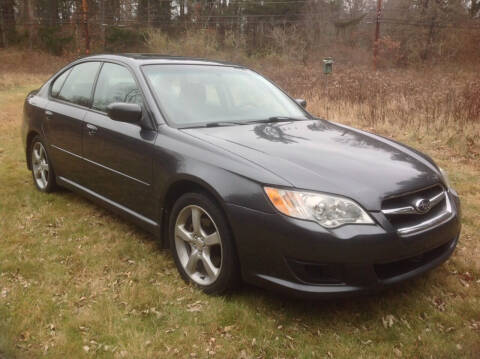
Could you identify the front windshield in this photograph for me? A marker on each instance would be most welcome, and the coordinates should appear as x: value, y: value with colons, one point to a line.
x: 194, y: 95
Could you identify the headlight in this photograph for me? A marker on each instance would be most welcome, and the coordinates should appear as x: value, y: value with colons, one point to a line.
x: 329, y: 211
x: 446, y: 180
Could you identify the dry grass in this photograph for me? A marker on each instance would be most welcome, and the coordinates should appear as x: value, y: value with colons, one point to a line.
x: 18, y: 67
x: 76, y: 281
x: 32, y: 62
x: 434, y: 103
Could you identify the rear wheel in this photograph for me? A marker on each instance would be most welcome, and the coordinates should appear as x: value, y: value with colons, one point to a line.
x: 202, y: 244
x: 42, y: 170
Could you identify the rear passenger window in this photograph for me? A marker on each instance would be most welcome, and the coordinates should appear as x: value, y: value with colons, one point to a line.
x: 57, y: 84
x: 115, y: 84
x: 78, y: 86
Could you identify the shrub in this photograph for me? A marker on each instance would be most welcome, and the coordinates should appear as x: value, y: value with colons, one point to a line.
x: 123, y: 39
x: 53, y: 39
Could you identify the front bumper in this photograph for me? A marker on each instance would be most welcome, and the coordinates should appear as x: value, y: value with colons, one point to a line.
x: 305, y: 259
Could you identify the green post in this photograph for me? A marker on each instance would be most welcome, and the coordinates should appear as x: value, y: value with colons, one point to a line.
x: 327, y: 65
x: 327, y: 70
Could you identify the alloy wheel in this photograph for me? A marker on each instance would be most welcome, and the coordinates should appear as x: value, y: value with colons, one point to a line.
x: 199, y: 245
x: 40, y: 165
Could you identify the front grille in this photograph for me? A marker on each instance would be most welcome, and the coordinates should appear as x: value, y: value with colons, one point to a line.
x: 405, y: 215
x: 393, y: 269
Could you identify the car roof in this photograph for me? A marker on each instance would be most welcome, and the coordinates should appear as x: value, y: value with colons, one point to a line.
x: 143, y: 59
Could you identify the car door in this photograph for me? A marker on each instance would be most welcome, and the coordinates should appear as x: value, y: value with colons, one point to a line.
x: 70, y: 95
x: 118, y: 155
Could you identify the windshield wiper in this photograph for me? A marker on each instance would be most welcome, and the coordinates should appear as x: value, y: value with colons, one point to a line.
x: 214, y: 124
x: 235, y: 123
x: 222, y: 123
x: 277, y: 119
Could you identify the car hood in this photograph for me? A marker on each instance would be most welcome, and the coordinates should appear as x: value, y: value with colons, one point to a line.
x: 322, y: 156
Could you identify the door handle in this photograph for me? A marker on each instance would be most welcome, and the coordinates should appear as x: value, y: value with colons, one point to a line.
x: 91, y: 129
x: 48, y: 114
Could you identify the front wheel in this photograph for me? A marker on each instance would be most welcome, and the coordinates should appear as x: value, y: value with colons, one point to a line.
x: 42, y: 170
x: 202, y: 244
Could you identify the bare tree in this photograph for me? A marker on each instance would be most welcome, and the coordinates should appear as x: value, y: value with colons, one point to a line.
x: 7, y: 22
x: 474, y: 8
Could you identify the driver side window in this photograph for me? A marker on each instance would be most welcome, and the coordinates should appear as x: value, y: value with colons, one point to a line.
x: 115, y: 84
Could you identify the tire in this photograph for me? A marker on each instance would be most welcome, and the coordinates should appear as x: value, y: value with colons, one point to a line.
x: 42, y: 169
x: 204, y: 253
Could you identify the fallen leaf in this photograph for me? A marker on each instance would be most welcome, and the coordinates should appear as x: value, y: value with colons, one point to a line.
x: 388, y: 321
x: 195, y: 307
x: 228, y: 328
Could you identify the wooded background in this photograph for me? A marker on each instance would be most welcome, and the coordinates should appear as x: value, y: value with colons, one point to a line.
x: 411, y: 31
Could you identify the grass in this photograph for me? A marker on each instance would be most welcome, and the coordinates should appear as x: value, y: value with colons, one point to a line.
x: 76, y: 281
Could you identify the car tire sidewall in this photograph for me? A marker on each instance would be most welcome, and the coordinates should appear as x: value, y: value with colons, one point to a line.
x: 229, y: 274
x: 51, y: 185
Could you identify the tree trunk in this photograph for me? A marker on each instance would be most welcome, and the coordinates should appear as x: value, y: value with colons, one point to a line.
x: 429, y: 44
x: 220, y: 25
x: 85, y: 26
x: 220, y: 33
x: 29, y: 20
x: 163, y: 14
x: 52, y: 12
x: 251, y: 37
x: 7, y: 14
x: 2, y: 31
x: 103, y: 24
x: 474, y: 9
x: 143, y: 12
x: 182, y: 8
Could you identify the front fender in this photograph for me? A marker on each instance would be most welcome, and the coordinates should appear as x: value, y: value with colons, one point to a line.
x: 230, y: 178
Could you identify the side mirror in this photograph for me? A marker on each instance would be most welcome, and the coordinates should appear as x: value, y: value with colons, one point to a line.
x: 301, y: 102
x: 125, y: 112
